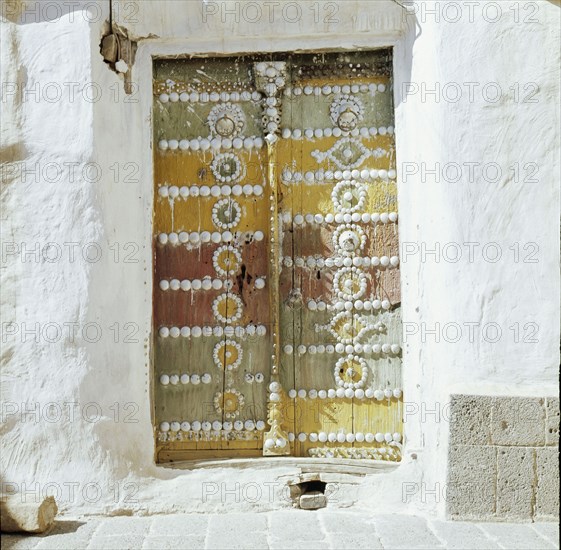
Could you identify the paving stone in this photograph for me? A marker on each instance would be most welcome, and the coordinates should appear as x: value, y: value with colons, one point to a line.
x: 300, y: 545
x: 63, y: 542
x: 552, y: 421
x: 461, y: 536
x: 408, y: 532
x: 550, y: 531
x: 354, y: 541
x: 346, y: 522
x: 515, y: 536
x: 19, y: 542
x: 232, y: 523
x: 515, y: 482
x: 116, y: 542
x: 242, y: 540
x: 295, y: 526
x: 518, y: 421
x: 547, y: 489
x: 163, y: 542
x: 291, y: 529
x: 470, y: 419
x: 180, y: 524
x: 124, y: 524
x: 470, y: 490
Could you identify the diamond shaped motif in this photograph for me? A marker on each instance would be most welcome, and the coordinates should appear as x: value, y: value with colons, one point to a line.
x: 346, y: 153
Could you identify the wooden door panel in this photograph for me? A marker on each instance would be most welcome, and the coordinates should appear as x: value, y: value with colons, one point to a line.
x: 211, y: 301
x: 330, y: 173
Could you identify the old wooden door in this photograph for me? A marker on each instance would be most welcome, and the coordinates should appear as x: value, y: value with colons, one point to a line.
x: 276, y: 284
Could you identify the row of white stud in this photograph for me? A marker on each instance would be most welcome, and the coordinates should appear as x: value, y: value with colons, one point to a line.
x: 194, y: 379
x: 319, y: 263
x: 216, y: 143
x: 355, y: 217
x: 203, y: 284
x: 206, y: 237
x: 196, y: 426
x: 320, y: 176
x: 317, y: 133
x: 336, y: 89
x: 350, y: 305
x: 173, y: 191
x: 206, y: 97
x: 369, y: 393
x: 342, y: 437
x: 368, y: 349
x: 197, y: 332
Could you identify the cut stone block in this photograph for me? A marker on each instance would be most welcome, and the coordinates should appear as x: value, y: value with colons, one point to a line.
x: 552, y: 421
x: 515, y: 482
x: 470, y: 491
x: 518, y: 421
x: 313, y: 500
x: 547, y: 489
x: 470, y: 419
x: 27, y: 517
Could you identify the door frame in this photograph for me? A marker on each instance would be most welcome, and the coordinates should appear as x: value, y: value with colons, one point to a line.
x: 142, y: 74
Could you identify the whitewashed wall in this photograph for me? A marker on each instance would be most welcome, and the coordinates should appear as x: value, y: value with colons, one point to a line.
x: 86, y: 151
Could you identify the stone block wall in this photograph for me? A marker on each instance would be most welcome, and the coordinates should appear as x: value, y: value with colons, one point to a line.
x: 503, y: 458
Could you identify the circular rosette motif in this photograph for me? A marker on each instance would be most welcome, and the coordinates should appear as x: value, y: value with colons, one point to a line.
x: 227, y: 167
x: 229, y: 402
x: 226, y: 120
x: 349, y: 239
x: 351, y: 372
x: 346, y: 327
x: 349, y: 196
x: 346, y: 111
x: 226, y: 214
x: 227, y: 308
x: 226, y: 260
x: 350, y: 283
x: 227, y: 355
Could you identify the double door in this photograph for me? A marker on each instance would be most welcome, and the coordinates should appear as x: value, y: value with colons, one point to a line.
x: 276, y: 272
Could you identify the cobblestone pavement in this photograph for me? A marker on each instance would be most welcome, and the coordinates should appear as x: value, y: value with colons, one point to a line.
x: 285, y: 530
